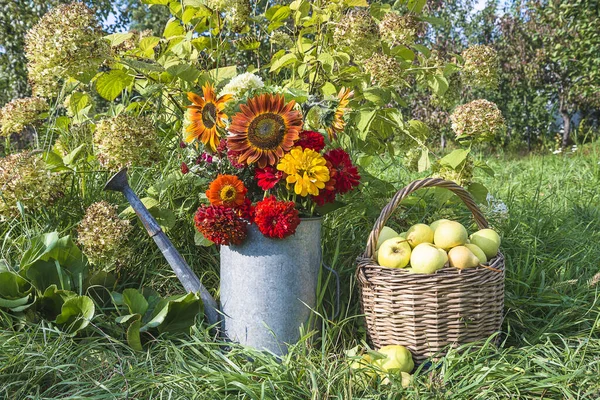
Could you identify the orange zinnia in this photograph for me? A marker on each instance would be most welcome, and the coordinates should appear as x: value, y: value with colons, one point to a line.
x: 264, y: 130
x: 226, y: 190
x: 206, y: 115
x: 338, y: 123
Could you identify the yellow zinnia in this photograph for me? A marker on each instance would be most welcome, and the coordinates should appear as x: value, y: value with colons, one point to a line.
x: 306, y: 169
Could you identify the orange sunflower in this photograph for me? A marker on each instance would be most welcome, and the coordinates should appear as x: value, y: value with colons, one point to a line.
x: 206, y: 115
x: 338, y: 123
x: 226, y: 190
x: 264, y: 130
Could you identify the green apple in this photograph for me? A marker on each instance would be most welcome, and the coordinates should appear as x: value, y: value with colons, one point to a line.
x: 461, y: 257
x: 450, y: 234
x: 363, y: 372
x: 488, y: 241
x: 477, y: 251
x: 427, y: 258
x: 394, y: 253
x: 435, y: 224
x: 385, y: 234
x: 397, y: 359
x: 419, y: 233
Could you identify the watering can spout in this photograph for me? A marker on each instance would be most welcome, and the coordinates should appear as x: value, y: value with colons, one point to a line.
x: 118, y: 182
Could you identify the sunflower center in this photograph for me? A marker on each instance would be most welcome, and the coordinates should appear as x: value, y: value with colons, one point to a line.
x: 267, y: 131
x: 227, y: 193
x: 209, y: 115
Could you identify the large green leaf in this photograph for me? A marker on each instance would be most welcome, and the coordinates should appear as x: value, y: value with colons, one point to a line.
x: 283, y: 61
x: 135, y: 301
x: 110, y: 84
x: 76, y: 313
x: 50, y: 303
x: 455, y: 158
x: 133, y: 333
x: 14, y: 290
x: 479, y: 192
x: 68, y: 255
x: 181, y: 315
x: 222, y: 73
x: 43, y: 274
x: 40, y: 246
x: 117, y: 38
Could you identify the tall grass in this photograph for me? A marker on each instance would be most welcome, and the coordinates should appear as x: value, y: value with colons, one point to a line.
x: 550, y: 343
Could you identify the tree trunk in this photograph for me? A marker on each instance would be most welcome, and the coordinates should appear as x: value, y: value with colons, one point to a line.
x: 566, y: 128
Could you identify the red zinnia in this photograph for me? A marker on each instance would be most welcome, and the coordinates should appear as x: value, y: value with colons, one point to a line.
x: 324, y: 197
x: 276, y: 219
x: 184, y: 168
x: 220, y: 224
x: 245, y: 211
x: 346, y: 176
x: 311, y: 140
x: 267, y: 177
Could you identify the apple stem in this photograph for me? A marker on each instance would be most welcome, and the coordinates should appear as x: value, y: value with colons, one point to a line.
x: 490, y: 268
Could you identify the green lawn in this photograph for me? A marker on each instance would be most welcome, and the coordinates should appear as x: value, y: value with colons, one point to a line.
x: 550, y: 344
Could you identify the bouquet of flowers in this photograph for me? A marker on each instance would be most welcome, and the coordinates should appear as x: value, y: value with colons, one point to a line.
x: 266, y: 170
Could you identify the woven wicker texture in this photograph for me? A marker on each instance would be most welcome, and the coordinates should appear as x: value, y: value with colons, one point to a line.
x: 427, y: 313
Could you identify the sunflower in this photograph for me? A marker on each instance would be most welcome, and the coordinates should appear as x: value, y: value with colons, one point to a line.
x: 264, y: 130
x: 306, y: 169
x: 338, y: 123
x: 226, y: 190
x: 206, y: 115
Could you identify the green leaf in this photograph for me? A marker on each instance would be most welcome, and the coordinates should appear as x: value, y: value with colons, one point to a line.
x: 356, y: 3
x: 173, y: 28
x: 182, y: 313
x: 438, y: 83
x: 377, y: 95
x: 418, y: 129
x: 424, y: 162
x: 76, y: 314
x: 148, y: 44
x: 222, y: 73
x: 364, y: 120
x: 133, y: 334
x: 157, y: 316
x: 43, y: 274
x: 329, y: 207
x: 40, y: 245
x: 455, y: 158
x: 165, y: 218
x: 161, y: 2
x: 135, y: 301
x: 184, y: 71
x: 70, y: 158
x: 68, y: 255
x: 422, y: 49
x: 110, y: 84
x: 404, y: 52
x: 479, y: 192
x: 51, y: 302
x: 55, y: 162
x: 327, y: 62
x: 14, y: 290
x: 283, y: 61
x: 416, y: 6
x: 79, y: 102
x: 200, y: 240
x: 117, y: 38
x: 482, y: 165
x: 278, y: 13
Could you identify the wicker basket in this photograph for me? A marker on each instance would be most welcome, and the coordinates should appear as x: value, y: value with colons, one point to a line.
x: 427, y: 313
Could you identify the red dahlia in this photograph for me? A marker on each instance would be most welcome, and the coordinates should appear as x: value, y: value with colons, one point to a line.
x: 220, y: 224
x: 346, y: 174
x: 267, y: 177
x: 276, y: 219
x: 324, y: 197
x: 311, y: 140
x: 245, y: 211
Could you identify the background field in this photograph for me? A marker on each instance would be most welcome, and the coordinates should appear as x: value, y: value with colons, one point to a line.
x: 550, y: 340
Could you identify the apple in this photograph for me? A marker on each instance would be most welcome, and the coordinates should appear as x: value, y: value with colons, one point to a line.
x: 435, y: 224
x: 427, y: 258
x: 450, y: 234
x: 419, y: 233
x: 385, y: 234
x: 397, y: 359
x: 461, y: 257
x: 488, y: 241
x: 394, y: 253
x: 477, y: 251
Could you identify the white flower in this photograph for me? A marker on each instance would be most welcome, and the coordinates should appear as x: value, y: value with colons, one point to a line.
x: 240, y: 84
x: 557, y: 151
x: 574, y: 148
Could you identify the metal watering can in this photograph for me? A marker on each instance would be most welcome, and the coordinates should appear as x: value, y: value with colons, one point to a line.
x: 267, y: 291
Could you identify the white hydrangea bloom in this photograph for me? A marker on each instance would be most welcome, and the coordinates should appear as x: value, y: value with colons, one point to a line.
x: 240, y: 84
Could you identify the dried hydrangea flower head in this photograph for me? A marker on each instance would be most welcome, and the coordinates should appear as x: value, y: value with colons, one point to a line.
x: 25, y: 179
x: 384, y: 70
x: 481, y: 66
x: 396, y: 29
x: 236, y: 11
x: 125, y: 140
x: 357, y: 31
x: 240, y: 84
x: 103, y: 235
x: 20, y: 113
x: 479, y: 120
x: 66, y: 42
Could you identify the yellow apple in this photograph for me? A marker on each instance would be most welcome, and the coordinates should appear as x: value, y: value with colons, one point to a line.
x: 435, y: 224
x: 397, y: 359
x: 461, y: 257
x: 385, y: 234
x: 450, y: 234
x: 477, y: 251
x: 394, y: 253
x: 419, y: 233
x: 488, y: 241
x: 427, y: 258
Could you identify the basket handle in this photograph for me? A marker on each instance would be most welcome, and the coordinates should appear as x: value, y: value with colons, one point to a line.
x: 403, y: 193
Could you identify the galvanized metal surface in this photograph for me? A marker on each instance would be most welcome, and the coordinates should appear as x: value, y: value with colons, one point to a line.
x: 188, y: 278
x: 268, y: 286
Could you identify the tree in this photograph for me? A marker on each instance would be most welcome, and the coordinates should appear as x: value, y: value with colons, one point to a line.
x: 568, y: 43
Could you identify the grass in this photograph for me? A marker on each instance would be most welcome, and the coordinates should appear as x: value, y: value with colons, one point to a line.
x: 550, y: 342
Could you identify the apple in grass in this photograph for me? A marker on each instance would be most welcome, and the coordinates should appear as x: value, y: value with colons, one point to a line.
x: 396, y: 358
x: 419, y: 233
x: 394, y: 253
x: 488, y: 241
x: 427, y: 258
